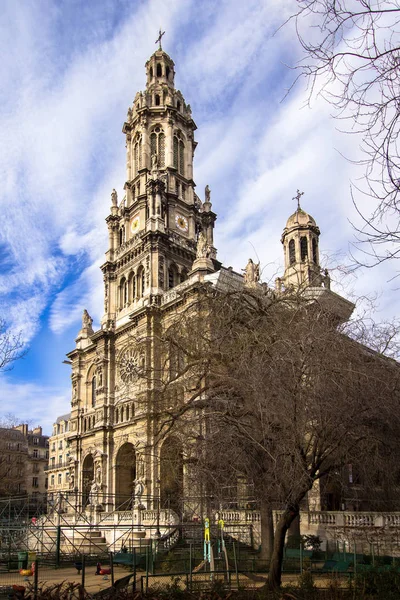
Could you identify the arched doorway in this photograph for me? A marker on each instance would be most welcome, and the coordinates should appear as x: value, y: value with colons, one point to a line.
x: 171, y: 475
x: 87, y: 478
x: 125, y: 474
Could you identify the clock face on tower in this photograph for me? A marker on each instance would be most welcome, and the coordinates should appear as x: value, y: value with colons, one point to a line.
x: 135, y: 224
x: 182, y: 223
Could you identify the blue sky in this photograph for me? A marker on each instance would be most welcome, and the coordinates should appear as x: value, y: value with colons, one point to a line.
x: 69, y: 71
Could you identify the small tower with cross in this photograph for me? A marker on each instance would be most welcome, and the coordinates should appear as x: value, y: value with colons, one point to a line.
x: 300, y: 241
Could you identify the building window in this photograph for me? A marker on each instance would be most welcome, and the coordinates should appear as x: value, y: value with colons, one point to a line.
x: 47, y: 454
x: 94, y: 391
x: 60, y: 445
x: 292, y: 252
x: 303, y: 248
x: 179, y: 155
x: 59, y: 479
x: 35, y: 441
x: 35, y: 453
x: 138, y: 155
x: 159, y: 70
x: 52, y: 480
x: 35, y: 482
x: 53, y: 447
x: 157, y: 146
x: 315, y: 250
x: 157, y: 100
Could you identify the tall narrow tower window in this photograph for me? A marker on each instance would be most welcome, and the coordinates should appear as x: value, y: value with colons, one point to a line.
x: 292, y: 252
x: 159, y: 70
x: 167, y: 72
x: 303, y: 248
x: 138, y: 155
x: 151, y: 72
x: 181, y: 157
x: 157, y: 146
x: 176, y: 151
x: 161, y: 149
x: 315, y: 251
x: 153, y: 144
x: 94, y: 390
x: 157, y: 100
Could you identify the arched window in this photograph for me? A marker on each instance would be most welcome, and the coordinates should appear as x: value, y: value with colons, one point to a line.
x: 167, y: 71
x: 132, y: 410
x: 94, y: 390
x: 176, y: 152
x: 159, y: 70
x: 138, y: 155
x: 127, y: 413
x: 140, y: 282
x: 151, y: 72
x: 157, y: 100
x: 178, y: 105
x: 292, y: 252
x: 116, y: 416
x: 303, y: 248
x: 179, y: 155
x: 315, y: 251
x: 184, y: 275
x: 181, y: 158
x: 121, y: 236
x: 122, y: 414
x: 133, y: 287
x: 157, y: 145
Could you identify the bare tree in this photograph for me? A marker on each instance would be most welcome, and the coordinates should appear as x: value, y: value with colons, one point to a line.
x: 352, y: 57
x: 11, y: 347
x: 267, y: 388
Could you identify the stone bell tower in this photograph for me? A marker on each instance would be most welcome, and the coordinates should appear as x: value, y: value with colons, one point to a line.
x: 300, y: 241
x: 153, y: 231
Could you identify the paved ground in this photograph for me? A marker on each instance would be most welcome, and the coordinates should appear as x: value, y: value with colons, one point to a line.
x: 93, y: 583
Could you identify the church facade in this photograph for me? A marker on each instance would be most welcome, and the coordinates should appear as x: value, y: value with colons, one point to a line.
x: 160, y: 245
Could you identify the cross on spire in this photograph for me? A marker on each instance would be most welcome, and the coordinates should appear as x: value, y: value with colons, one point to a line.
x: 297, y: 197
x: 158, y: 40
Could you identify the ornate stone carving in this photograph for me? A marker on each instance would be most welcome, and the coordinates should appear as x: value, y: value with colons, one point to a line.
x: 114, y: 198
x: 203, y: 249
x: 87, y: 320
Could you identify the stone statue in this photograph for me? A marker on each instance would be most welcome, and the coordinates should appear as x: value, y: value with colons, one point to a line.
x: 326, y: 280
x: 87, y: 320
x: 114, y: 198
x: 138, y: 490
x: 207, y: 192
x: 251, y: 272
x: 154, y: 161
x: 93, y: 494
x: 203, y: 249
x: 72, y: 481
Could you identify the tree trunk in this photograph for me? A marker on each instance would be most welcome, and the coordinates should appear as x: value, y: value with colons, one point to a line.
x: 267, y: 531
x: 275, y: 568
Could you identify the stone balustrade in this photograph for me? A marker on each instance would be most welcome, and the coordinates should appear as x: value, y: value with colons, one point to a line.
x: 323, y: 519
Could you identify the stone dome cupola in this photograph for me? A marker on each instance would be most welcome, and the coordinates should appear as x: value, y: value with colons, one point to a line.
x: 160, y: 70
x: 300, y: 240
